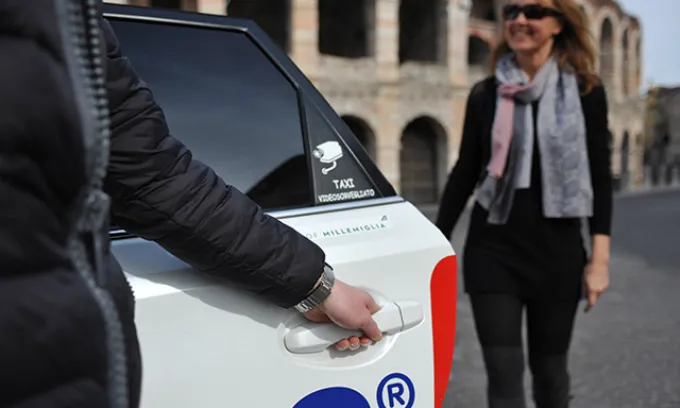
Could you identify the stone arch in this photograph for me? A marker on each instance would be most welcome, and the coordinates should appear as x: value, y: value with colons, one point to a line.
x: 273, y: 16
x: 625, y: 64
x: 479, y: 53
x: 601, y: 13
x: 421, y: 159
x: 346, y: 28
x: 363, y: 132
x: 598, y: 14
x: 607, y: 52
x: 423, y: 31
x: 483, y: 10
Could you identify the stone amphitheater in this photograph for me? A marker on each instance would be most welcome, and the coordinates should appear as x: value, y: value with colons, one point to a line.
x: 399, y: 72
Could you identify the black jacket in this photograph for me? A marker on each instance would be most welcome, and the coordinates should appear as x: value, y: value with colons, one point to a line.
x: 52, y: 335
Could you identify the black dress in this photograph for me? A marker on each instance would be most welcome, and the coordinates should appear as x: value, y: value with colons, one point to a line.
x: 529, y: 256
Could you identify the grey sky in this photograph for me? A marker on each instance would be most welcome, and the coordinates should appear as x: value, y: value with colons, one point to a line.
x: 661, y: 39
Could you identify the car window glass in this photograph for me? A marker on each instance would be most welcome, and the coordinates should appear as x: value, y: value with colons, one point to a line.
x: 226, y: 101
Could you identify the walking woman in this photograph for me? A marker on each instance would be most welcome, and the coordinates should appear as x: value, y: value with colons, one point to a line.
x: 535, y: 147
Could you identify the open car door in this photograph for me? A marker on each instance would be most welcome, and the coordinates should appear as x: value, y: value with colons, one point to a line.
x: 242, y: 106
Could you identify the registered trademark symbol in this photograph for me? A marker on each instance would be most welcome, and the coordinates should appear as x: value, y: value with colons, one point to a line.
x: 396, y: 391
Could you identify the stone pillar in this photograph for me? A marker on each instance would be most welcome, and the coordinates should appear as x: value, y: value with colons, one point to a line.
x: 458, y: 109
x: 212, y: 7
x: 637, y: 159
x: 388, y: 133
x: 637, y: 62
x: 305, y: 36
x: 627, y: 81
x: 617, y: 51
x: 387, y: 39
x: 459, y: 15
x: 616, y: 150
x: 633, y: 86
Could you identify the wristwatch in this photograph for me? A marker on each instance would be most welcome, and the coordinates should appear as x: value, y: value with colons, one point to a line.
x: 320, y: 293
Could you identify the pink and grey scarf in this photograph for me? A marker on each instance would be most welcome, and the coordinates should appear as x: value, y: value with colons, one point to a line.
x: 561, y: 137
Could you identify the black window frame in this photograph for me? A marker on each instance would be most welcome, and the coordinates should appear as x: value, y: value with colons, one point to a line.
x: 302, y: 85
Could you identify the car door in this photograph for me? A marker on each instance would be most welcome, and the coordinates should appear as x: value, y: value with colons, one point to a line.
x: 243, y: 107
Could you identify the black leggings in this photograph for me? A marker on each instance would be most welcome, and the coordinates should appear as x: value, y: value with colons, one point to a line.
x: 498, y: 321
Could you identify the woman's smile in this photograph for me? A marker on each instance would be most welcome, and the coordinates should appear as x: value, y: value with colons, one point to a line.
x: 520, y: 32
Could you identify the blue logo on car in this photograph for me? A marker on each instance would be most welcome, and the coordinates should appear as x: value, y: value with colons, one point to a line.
x: 335, y: 397
x: 394, y: 391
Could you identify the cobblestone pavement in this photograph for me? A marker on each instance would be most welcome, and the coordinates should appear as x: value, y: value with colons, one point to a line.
x: 626, y: 352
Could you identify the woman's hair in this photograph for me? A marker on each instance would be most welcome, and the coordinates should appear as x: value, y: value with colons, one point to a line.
x: 573, y: 45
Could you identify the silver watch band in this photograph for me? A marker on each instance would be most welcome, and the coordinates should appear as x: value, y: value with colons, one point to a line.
x: 320, y: 293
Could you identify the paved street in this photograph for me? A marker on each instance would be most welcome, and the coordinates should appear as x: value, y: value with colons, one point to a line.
x: 626, y: 352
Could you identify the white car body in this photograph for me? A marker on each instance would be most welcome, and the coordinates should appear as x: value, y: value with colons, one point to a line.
x: 206, y: 344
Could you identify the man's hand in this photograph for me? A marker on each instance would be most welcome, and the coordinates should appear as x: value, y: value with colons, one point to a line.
x: 350, y: 308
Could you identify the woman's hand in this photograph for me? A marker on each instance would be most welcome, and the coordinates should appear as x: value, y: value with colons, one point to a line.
x: 596, y: 281
x: 596, y: 275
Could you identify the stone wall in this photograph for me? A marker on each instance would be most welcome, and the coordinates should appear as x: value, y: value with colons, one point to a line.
x: 387, y: 93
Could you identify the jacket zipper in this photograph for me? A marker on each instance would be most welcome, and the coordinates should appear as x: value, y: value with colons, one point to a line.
x: 81, y: 40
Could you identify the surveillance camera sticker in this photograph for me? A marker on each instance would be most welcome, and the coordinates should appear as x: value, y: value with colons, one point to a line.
x: 328, y: 153
x: 336, y: 173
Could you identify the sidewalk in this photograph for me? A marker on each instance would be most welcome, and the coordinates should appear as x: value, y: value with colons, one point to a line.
x: 648, y: 190
x: 430, y: 210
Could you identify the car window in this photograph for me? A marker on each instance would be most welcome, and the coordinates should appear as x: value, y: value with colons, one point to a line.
x: 228, y: 103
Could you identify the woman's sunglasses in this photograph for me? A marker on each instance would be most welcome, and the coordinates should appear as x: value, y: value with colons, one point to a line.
x: 530, y: 11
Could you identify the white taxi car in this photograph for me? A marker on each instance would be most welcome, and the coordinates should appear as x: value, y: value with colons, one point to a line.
x: 243, y: 107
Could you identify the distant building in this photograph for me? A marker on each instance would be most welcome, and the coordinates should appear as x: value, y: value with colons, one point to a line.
x: 399, y: 71
x: 662, y: 141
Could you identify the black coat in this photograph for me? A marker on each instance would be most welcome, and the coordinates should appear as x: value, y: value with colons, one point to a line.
x: 52, y: 335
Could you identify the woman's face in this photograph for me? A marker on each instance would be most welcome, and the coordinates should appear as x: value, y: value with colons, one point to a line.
x: 530, y: 24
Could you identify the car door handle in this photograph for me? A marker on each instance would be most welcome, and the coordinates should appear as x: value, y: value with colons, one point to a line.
x: 392, y: 318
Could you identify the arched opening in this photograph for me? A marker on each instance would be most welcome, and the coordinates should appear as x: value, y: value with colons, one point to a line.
x: 186, y: 5
x: 167, y: 4
x: 656, y: 158
x: 346, y: 28
x: 625, y: 69
x: 478, y: 58
x: 644, y: 151
x: 422, y: 155
x: 483, y: 10
x: 273, y: 16
x: 422, y: 31
x: 607, y: 53
x: 363, y: 133
x: 625, y: 162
